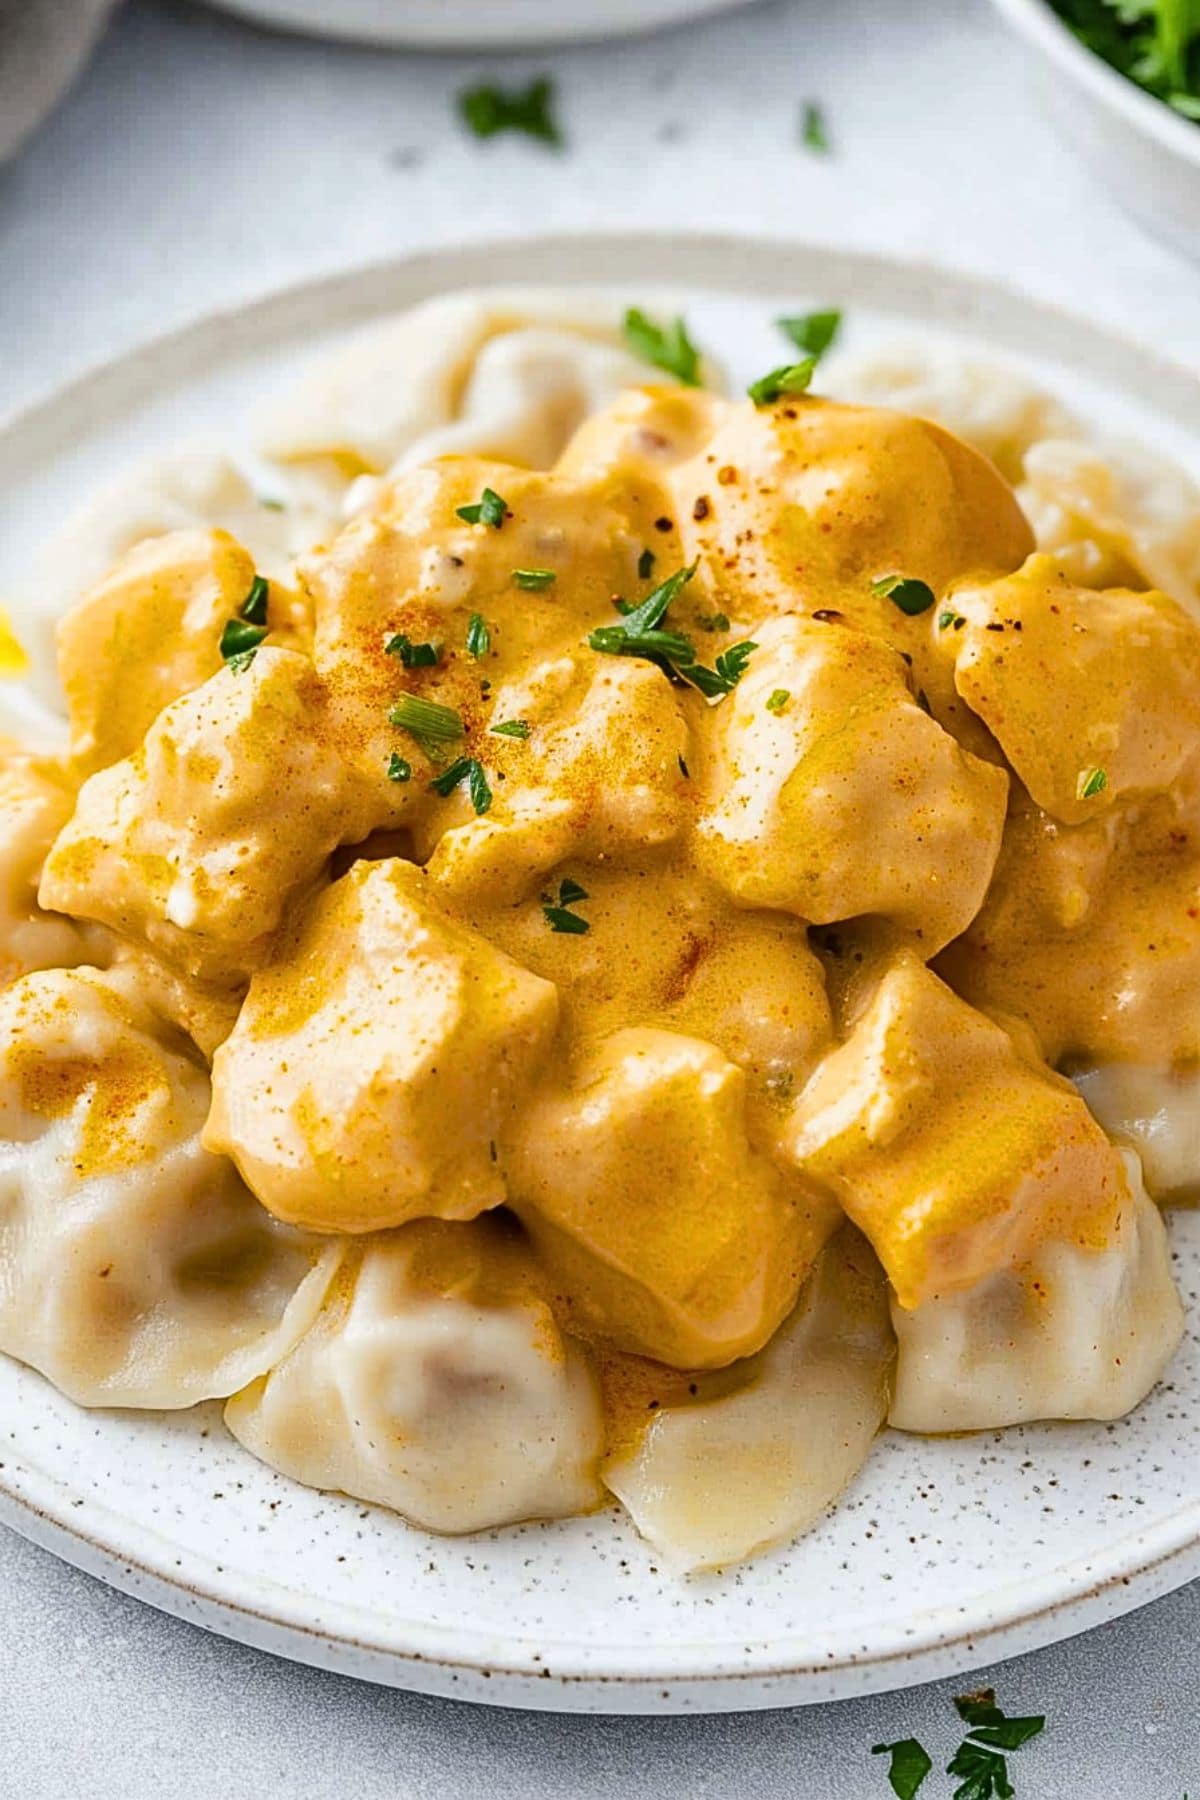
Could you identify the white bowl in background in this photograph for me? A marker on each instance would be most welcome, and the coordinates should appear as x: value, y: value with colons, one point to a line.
x: 1146, y: 153
x: 471, y: 24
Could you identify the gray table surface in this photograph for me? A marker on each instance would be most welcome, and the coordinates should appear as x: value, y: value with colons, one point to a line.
x: 200, y: 162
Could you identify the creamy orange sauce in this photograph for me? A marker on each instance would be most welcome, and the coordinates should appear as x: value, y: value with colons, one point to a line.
x: 739, y: 1042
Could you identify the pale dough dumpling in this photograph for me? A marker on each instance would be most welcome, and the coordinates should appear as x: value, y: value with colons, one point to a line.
x: 496, y: 373
x: 712, y: 1482
x: 1155, y: 1109
x: 669, y: 1234
x: 829, y: 792
x: 138, y: 1270
x: 435, y: 1382
x: 376, y: 1063
x: 1077, y: 1333
x: 231, y: 807
x: 1115, y: 515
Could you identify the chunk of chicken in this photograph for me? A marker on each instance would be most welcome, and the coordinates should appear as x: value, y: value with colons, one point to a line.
x: 668, y: 1234
x: 199, y: 840
x: 954, y: 1152
x: 1093, y: 695
x: 151, y: 631
x: 412, y: 568
x: 800, y: 506
x: 831, y: 793
x: 599, y: 777
x: 377, y: 1062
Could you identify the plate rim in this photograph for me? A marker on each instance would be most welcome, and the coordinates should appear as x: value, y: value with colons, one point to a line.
x: 1141, y: 1565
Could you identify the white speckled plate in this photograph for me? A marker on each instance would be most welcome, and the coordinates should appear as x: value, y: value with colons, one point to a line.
x: 945, y: 1553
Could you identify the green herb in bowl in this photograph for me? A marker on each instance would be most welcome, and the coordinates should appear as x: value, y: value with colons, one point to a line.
x: 1154, y: 42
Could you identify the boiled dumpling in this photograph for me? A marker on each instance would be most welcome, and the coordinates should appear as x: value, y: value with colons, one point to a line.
x: 436, y: 1382
x: 1075, y: 1333
x: 1155, y: 1109
x: 494, y: 373
x: 715, y: 1480
x: 36, y: 800
x: 135, y: 1268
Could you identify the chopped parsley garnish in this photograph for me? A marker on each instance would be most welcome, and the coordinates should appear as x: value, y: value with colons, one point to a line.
x: 948, y: 618
x: 909, y: 1766
x: 813, y: 132
x: 428, y: 721
x: 778, y: 700
x: 398, y: 769
x: 714, y: 684
x: 715, y: 622
x: 413, y: 656
x: 1090, y: 783
x: 271, y: 503
x: 237, y: 665
x: 811, y: 332
x: 489, y: 509
x: 479, y: 638
x: 641, y: 634
x: 238, y: 637
x: 1154, y: 42
x: 513, y: 728
x: 645, y: 565
x: 535, y: 579
x: 666, y: 347
x: 470, y: 770
x: 487, y: 110
x: 789, y: 378
x: 910, y: 595
x: 978, y: 1760
x: 254, y: 607
x: 557, y: 914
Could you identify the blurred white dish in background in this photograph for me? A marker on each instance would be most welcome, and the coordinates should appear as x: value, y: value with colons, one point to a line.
x: 1143, y: 151
x: 432, y: 25
x: 43, y: 46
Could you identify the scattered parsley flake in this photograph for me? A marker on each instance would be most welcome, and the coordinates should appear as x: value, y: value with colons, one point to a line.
x: 683, y: 769
x: 812, y: 332
x: 238, y: 637
x: 984, y: 1772
x: 948, y: 618
x: 271, y: 504
x: 470, y: 770
x: 666, y: 347
x: 237, y: 665
x: 557, y: 914
x: 535, y: 580
x: 254, y: 607
x: 789, y: 378
x: 513, y: 728
x: 1090, y: 783
x: 412, y: 656
x: 910, y: 1765
x: 716, y: 622
x: 814, y: 134
x: 398, y: 769
x: 479, y: 638
x: 488, y: 110
x: 489, y: 509
x: 714, y: 684
x: 906, y: 592
x: 778, y: 700
x: 645, y: 565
